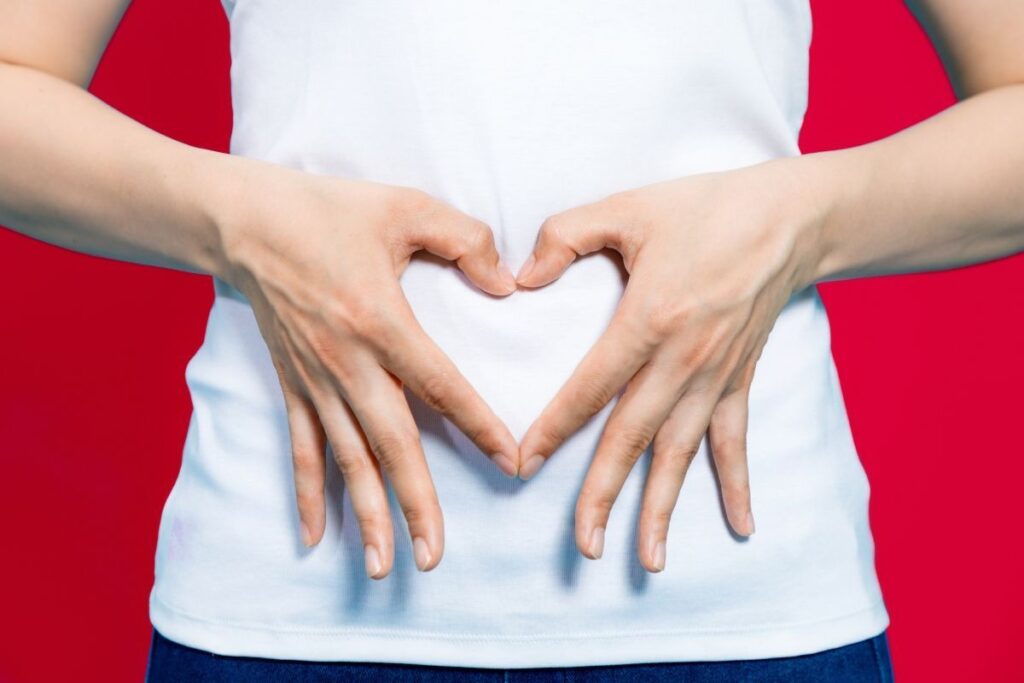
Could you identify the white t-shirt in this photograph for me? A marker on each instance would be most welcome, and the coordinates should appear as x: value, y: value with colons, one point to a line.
x: 512, y: 111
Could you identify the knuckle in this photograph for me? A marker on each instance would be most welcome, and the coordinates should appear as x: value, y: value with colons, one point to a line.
x: 595, y: 500
x: 324, y: 364
x: 324, y: 348
x: 307, y: 495
x: 418, y: 512
x: 621, y: 200
x: 550, y: 434
x: 478, y: 238
x: 486, y: 437
x: 375, y: 327
x: 736, y: 386
x: 307, y: 388
x: 657, y: 517
x: 683, y: 454
x: 553, y: 227
x: 350, y: 462
x: 591, y: 394
x: 627, y: 203
x: 305, y: 458
x: 701, y: 352
x: 436, y: 389
x: 630, y: 441
x: 323, y: 336
x: 666, y: 320
x: 368, y: 519
x: 321, y: 341
x: 728, y: 443
x: 628, y: 214
x: 361, y: 319
x: 391, y: 449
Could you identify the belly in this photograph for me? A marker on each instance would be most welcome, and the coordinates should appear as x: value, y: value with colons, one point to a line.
x: 516, y: 350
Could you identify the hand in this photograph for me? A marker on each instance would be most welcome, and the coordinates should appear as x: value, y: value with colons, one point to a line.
x: 712, y: 260
x: 319, y: 259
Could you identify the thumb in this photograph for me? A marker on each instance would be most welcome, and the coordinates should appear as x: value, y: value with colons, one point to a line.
x: 567, y: 235
x: 447, y: 232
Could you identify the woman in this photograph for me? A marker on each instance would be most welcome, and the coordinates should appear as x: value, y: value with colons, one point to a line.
x: 391, y: 161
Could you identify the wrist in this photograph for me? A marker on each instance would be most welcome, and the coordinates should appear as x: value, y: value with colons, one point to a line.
x: 816, y: 186
x: 832, y: 180
x: 224, y: 186
x: 200, y: 188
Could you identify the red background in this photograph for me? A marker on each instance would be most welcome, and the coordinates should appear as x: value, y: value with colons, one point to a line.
x: 93, y: 404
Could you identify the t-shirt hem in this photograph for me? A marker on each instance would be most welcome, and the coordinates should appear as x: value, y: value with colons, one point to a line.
x: 513, y: 651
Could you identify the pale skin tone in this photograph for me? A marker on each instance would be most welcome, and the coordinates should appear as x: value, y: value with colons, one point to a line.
x: 712, y: 259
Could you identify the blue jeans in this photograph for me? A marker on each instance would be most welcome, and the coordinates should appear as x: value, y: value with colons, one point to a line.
x: 866, y: 661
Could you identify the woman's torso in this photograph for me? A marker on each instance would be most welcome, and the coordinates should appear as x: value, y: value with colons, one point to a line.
x: 513, y: 111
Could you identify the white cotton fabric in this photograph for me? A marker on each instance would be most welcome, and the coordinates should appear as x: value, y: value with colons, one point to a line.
x: 512, y: 111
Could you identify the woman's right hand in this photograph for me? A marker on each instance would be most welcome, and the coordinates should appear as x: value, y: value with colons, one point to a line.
x: 319, y: 259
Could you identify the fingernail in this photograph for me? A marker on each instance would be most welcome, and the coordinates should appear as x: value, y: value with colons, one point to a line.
x: 307, y: 536
x: 750, y: 522
x: 505, y: 464
x: 531, y: 466
x: 597, y: 542
x: 373, y: 565
x: 527, y: 268
x: 659, y: 556
x: 507, y: 278
x: 421, y: 552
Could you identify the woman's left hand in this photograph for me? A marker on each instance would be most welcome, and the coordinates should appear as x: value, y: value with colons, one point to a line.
x: 712, y: 260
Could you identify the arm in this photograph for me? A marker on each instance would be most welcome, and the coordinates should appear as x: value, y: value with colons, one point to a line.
x: 77, y: 173
x: 948, y: 191
x: 344, y: 341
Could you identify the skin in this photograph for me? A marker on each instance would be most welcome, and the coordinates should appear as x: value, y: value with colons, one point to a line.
x: 689, y: 329
x: 695, y: 316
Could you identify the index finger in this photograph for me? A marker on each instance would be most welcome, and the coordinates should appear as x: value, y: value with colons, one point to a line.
x: 613, y: 360
x: 411, y: 355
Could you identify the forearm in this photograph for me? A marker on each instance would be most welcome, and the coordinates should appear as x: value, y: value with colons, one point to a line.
x: 77, y: 173
x: 946, y: 192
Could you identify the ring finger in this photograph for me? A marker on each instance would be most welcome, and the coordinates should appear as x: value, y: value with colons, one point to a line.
x: 363, y: 481
x: 675, y: 446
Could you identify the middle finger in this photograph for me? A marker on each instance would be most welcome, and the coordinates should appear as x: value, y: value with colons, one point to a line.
x: 379, y: 404
x: 675, y: 446
x: 615, y: 358
x: 631, y: 427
